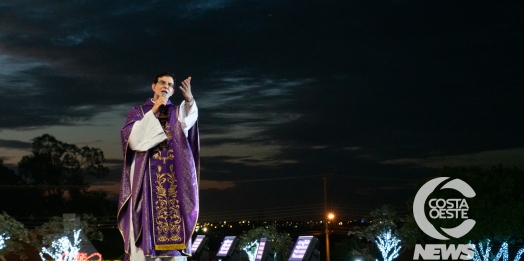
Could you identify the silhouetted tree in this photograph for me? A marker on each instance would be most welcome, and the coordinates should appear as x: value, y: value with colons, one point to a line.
x: 57, y: 170
x: 8, y: 182
x: 382, y: 220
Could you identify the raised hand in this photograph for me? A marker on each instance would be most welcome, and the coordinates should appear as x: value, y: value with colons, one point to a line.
x: 186, y: 89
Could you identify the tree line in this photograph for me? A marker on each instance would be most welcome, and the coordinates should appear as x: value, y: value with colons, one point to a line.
x: 52, y: 180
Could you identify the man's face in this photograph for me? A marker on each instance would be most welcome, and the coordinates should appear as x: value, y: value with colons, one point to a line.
x: 163, y: 85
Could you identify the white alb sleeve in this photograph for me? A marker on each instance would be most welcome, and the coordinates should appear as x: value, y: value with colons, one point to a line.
x: 188, y: 120
x: 146, y: 133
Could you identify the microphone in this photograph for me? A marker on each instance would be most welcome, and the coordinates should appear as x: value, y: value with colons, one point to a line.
x: 163, y: 108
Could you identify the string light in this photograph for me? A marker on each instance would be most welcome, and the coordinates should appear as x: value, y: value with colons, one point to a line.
x: 83, y: 256
x: 248, y: 248
x: 3, y: 238
x: 503, y: 251
x: 388, y: 245
x: 517, y: 256
x: 63, y: 250
x: 61, y: 246
x: 483, y: 255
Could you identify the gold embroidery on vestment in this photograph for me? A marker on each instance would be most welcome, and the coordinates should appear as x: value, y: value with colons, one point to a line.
x: 168, y: 219
x: 158, y: 155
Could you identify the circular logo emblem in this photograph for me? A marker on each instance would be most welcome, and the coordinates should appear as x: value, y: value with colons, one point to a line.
x: 441, y: 208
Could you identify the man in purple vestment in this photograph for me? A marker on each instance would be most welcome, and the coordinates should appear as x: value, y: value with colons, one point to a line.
x: 158, y: 203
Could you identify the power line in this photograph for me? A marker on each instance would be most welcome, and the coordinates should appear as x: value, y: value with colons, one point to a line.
x: 315, y: 176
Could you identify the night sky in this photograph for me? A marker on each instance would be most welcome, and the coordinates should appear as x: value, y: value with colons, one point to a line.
x: 377, y: 94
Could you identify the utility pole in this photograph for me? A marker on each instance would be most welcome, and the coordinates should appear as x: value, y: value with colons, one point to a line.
x: 328, y: 258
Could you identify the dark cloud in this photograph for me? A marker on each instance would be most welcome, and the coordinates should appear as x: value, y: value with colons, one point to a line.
x: 15, y: 144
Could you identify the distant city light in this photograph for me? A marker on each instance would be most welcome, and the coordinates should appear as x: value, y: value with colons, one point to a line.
x: 331, y: 216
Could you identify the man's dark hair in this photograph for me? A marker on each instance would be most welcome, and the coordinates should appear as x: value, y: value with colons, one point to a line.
x: 162, y: 74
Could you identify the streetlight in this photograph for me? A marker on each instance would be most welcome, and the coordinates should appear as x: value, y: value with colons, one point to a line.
x: 329, y: 216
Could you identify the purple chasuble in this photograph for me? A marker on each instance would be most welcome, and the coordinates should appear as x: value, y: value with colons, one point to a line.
x: 164, y: 193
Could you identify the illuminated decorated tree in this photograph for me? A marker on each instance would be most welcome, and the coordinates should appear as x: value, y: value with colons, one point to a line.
x: 4, y: 237
x: 383, y: 229
x: 62, y: 237
x: 388, y: 245
x: 63, y: 248
x: 281, y: 242
x: 250, y: 248
x: 12, y: 234
x: 483, y: 253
